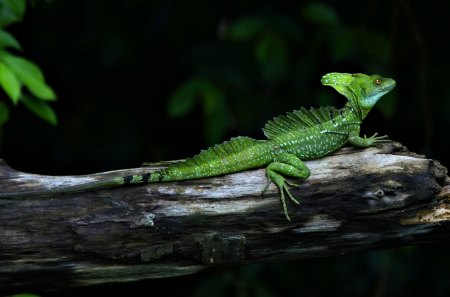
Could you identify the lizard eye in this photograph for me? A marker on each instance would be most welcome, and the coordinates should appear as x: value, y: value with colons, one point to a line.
x: 377, y: 82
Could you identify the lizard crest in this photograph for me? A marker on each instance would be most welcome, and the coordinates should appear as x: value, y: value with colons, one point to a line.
x: 363, y: 91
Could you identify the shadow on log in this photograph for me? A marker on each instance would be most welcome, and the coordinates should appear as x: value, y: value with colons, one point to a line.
x: 355, y: 200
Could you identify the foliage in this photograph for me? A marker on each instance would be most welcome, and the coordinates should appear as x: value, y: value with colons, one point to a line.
x: 17, y: 72
x: 212, y: 99
x: 274, y: 53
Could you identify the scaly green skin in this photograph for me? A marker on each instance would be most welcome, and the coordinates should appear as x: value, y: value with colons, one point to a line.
x: 296, y: 136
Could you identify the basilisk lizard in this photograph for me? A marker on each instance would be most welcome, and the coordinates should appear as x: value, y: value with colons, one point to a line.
x: 300, y: 135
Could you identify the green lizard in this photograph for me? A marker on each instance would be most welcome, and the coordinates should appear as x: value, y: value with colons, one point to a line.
x: 292, y: 138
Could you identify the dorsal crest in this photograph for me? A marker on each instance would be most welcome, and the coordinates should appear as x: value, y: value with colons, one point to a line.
x: 298, y: 121
x: 217, y: 152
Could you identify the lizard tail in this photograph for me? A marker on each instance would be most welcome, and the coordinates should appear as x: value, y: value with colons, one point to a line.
x: 61, y: 185
x: 144, y: 178
x: 65, y: 185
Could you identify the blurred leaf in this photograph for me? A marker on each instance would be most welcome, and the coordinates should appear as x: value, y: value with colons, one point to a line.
x: 254, y: 28
x: 4, y: 113
x: 341, y: 42
x: 9, y: 83
x: 271, y: 53
x: 215, y: 112
x: 227, y: 76
x: 213, y: 102
x: 245, y: 29
x: 388, y: 105
x: 375, y: 45
x: 284, y: 27
x: 7, y: 40
x: 25, y: 295
x: 350, y: 43
x: 212, y: 97
x: 11, y: 11
x: 272, y: 36
x: 183, y: 99
x: 320, y: 14
x: 216, y: 123
x: 30, y: 75
x: 40, y: 108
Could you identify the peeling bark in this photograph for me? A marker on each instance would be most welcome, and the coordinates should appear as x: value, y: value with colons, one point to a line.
x: 355, y: 200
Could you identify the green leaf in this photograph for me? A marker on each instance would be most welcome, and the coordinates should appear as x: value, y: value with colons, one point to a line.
x: 253, y: 28
x: 341, y: 42
x: 388, y: 105
x: 40, y: 108
x: 9, y: 83
x: 213, y: 102
x: 215, y: 112
x: 4, y: 113
x: 215, y: 126
x: 285, y: 28
x: 375, y: 45
x: 7, y: 40
x: 271, y: 53
x: 11, y: 11
x: 212, y: 97
x: 30, y: 75
x: 320, y: 14
x: 183, y: 99
x: 246, y: 29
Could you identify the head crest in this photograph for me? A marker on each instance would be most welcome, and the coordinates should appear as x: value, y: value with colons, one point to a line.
x: 362, y: 90
x: 340, y: 82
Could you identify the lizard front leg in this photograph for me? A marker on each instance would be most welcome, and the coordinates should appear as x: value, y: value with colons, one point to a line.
x: 356, y: 140
x: 288, y: 165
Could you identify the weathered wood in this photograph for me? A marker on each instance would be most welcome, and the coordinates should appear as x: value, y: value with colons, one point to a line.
x: 355, y: 200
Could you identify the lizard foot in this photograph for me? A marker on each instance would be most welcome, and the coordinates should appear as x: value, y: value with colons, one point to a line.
x: 375, y: 139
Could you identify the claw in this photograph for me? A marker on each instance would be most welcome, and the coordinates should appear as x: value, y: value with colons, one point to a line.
x: 283, y: 201
x: 266, y: 187
x: 378, y: 139
x: 292, y: 184
x: 291, y: 166
x: 290, y: 195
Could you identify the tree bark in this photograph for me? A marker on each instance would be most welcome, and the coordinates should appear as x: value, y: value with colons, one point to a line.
x: 355, y: 200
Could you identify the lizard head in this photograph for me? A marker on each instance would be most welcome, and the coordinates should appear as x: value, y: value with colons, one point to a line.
x: 369, y: 89
x: 361, y: 90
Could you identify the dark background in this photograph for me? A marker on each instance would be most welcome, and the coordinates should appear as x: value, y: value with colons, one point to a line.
x: 158, y: 80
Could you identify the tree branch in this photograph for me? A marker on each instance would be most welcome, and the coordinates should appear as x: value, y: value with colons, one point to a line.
x: 355, y: 200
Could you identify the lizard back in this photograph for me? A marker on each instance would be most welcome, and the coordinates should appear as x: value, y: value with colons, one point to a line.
x: 235, y: 155
x: 313, y: 133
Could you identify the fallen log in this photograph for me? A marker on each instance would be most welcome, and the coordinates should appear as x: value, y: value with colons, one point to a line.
x: 355, y: 200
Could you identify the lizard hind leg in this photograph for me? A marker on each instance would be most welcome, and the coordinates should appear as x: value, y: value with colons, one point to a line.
x: 288, y: 165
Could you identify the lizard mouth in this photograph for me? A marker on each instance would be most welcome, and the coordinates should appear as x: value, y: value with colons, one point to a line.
x: 388, y: 85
